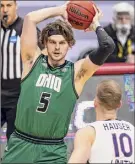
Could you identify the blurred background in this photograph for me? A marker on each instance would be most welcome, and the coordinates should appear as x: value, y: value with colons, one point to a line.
x: 84, y: 41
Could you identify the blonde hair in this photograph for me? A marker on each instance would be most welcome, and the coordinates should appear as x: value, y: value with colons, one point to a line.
x: 109, y: 94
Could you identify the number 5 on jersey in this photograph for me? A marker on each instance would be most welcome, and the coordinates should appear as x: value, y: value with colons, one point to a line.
x: 44, y: 102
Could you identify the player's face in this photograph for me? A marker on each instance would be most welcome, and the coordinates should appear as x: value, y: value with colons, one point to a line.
x: 9, y: 8
x: 57, y: 47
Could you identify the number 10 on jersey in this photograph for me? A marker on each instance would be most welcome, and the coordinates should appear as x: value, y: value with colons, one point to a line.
x: 122, y: 143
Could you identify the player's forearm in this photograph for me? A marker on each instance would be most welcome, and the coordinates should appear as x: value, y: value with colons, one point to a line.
x: 104, y: 40
x: 42, y: 14
x: 106, y: 46
x: 95, y: 25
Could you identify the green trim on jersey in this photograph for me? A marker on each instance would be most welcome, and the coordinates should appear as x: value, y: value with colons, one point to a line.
x: 73, y: 82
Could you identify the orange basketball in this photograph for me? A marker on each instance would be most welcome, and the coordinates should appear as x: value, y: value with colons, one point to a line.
x: 80, y: 14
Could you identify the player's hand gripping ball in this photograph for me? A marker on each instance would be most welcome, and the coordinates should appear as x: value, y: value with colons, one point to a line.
x: 80, y: 14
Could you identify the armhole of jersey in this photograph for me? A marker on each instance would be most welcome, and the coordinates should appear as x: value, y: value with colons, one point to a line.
x: 35, y: 63
x: 73, y: 84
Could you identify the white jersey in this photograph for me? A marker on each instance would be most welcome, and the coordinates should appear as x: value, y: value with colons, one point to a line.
x: 114, y: 142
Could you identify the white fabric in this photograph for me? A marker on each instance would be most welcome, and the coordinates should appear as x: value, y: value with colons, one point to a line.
x: 103, y: 148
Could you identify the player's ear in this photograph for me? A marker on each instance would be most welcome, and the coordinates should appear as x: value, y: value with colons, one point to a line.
x: 95, y: 103
x: 120, y: 105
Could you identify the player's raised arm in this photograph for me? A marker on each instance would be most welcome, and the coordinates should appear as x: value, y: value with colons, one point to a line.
x: 94, y: 60
x: 29, y: 32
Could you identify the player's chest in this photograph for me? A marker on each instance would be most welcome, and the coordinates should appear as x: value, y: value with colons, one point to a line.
x: 49, y: 81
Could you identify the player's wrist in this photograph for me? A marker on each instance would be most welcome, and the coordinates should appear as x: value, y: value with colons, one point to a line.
x: 56, y: 11
x: 96, y: 25
x: 60, y: 10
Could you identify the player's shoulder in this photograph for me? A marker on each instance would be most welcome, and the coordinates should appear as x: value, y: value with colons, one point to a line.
x: 68, y: 65
x: 69, y: 62
x: 126, y: 122
x: 43, y: 58
x: 97, y: 123
x: 86, y: 131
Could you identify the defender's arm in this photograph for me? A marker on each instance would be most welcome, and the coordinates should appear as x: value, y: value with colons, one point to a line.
x: 81, y: 152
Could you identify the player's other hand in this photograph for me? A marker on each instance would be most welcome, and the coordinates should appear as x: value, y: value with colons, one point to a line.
x: 95, y: 22
x: 64, y: 14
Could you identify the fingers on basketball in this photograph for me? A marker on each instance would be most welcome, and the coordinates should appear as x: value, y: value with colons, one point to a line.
x: 95, y: 8
x: 67, y: 2
x: 66, y: 19
x: 88, y: 29
x: 97, y: 11
x: 100, y: 12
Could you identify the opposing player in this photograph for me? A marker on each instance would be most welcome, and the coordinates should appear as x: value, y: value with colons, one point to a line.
x: 50, y: 87
x: 107, y: 140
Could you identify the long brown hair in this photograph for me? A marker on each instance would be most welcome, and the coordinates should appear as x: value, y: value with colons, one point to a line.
x: 58, y: 27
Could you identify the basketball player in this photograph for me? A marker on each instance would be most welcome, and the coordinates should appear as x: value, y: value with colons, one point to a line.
x: 107, y: 140
x: 50, y: 87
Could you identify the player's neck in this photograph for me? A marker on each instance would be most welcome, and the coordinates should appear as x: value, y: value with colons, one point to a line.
x: 54, y: 64
x: 108, y: 115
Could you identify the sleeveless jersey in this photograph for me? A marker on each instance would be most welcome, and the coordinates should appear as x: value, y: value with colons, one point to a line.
x: 114, y: 142
x: 47, y: 100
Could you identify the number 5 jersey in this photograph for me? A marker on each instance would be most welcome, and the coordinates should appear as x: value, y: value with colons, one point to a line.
x: 47, y: 100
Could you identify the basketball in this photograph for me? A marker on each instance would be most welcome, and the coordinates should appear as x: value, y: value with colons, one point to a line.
x: 80, y: 14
